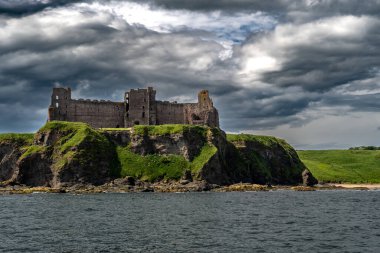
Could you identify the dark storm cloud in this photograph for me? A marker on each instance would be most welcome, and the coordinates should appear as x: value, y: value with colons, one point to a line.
x: 318, y: 57
x: 263, y: 109
x: 321, y: 70
x: 27, y: 7
x: 317, y: 48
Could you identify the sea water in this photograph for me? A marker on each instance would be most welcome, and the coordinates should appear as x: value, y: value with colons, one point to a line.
x: 278, y: 221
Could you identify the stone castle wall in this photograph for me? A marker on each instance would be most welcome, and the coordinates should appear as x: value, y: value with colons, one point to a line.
x: 170, y: 113
x: 139, y: 108
x: 98, y: 114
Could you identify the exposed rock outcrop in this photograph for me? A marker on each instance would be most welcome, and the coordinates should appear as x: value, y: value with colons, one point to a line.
x: 268, y: 159
x: 308, y: 179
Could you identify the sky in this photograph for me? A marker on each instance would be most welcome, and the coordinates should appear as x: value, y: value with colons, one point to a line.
x: 307, y: 71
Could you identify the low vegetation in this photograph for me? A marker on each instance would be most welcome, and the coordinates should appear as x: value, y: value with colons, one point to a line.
x: 167, y: 129
x: 268, y: 141
x: 21, y: 139
x: 150, y: 167
x: 157, y: 167
x: 116, y: 129
x: 29, y: 150
x: 343, y: 166
x: 199, y: 161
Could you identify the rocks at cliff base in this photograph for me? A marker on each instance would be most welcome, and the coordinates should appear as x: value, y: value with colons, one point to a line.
x: 308, y: 178
x: 125, y: 181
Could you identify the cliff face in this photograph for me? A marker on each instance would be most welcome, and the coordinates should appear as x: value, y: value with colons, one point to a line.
x: 11, y: 148
x: 268, y: 159
x: 64, y: 154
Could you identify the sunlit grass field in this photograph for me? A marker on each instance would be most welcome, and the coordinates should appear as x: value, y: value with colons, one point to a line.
x: 343, y: 166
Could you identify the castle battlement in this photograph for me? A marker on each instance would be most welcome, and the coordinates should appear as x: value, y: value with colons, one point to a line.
x: 139, y: 107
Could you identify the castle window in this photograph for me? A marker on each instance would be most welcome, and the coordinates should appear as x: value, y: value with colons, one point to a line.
x: 56, y: 97
x: 127, y: 115
x: 143, y: 107
x: 56, y: 105
x: 143, y: 114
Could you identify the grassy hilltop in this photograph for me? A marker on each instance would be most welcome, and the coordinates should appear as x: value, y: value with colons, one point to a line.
x: 343, y: 166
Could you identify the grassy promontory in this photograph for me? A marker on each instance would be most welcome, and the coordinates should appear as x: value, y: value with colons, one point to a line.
x: 67, y: 153
x: 343, y: 166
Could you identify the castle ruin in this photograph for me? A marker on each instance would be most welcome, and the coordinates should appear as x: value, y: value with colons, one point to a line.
x: 140, y: 107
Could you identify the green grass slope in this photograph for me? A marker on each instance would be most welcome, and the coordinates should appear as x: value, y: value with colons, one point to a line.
x: 22, y: 138
x: 343, y: 166
x: 167, y: 129
x: 157, y: 167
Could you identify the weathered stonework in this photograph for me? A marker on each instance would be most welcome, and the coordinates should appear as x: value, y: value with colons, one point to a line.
x: 140, y: 107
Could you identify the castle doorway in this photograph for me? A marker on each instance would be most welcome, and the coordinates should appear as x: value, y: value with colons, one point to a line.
x: 136, y: 122
x: 117, y: 126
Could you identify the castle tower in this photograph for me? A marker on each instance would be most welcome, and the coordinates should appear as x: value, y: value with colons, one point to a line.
x: 59, y: 103
x: 204, y: 101
x: 140, y: 107
x: 206, y: 110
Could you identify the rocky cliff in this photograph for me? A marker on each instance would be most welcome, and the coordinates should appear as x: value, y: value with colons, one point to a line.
x: 64, y: 154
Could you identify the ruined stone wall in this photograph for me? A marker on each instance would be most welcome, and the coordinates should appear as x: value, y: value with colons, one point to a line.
x: 139, y: 108
x: 170, y: 113
x: 98, y: 114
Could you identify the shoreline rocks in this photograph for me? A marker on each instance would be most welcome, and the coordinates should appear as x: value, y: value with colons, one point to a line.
x: 119, y: 186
